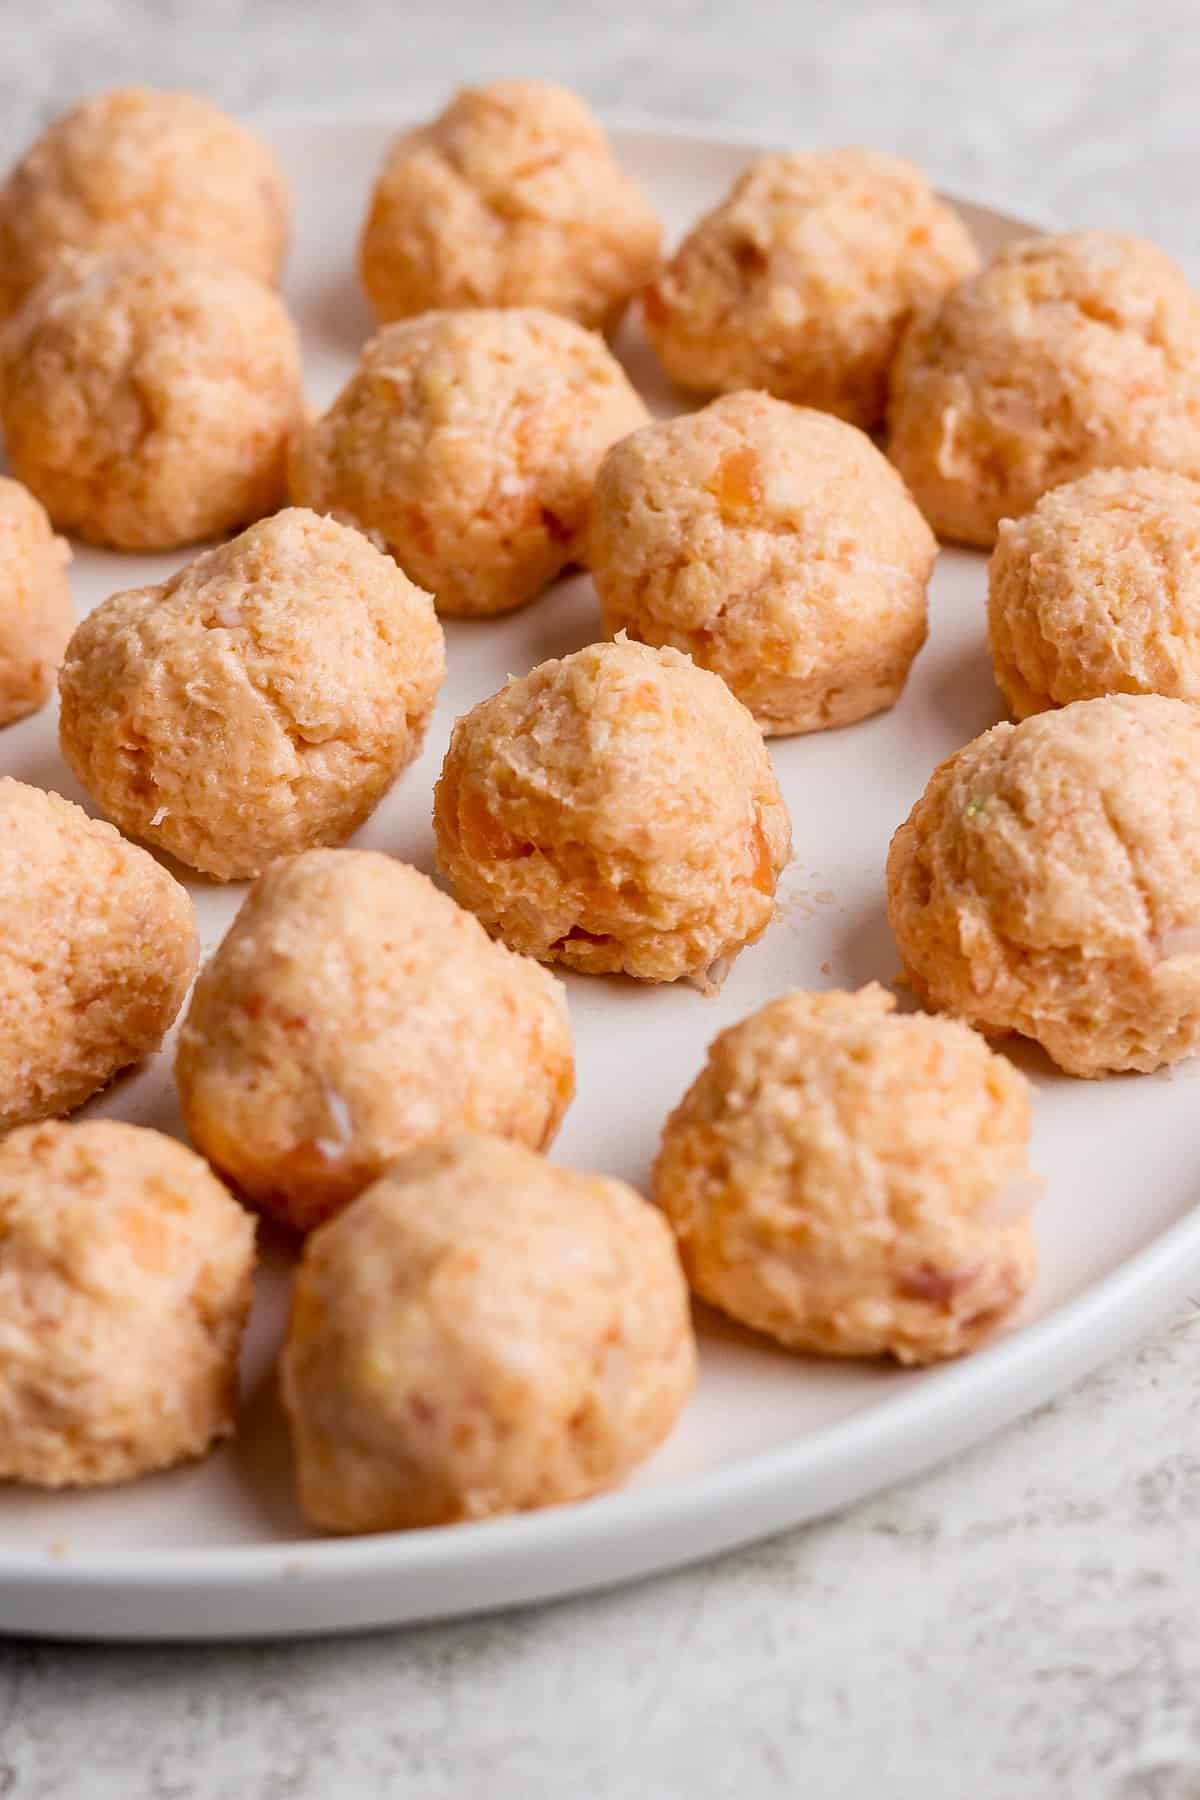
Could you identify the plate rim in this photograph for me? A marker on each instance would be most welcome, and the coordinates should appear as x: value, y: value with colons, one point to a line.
x: 1060, y: 1347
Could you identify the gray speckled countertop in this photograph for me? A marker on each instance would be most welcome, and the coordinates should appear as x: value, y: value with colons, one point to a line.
x: 1022, y: 1623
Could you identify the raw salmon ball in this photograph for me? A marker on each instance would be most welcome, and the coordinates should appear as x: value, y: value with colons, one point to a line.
x: 1066, y: 354
x: 135, y: 168
x: 1048, y: 882
x: 510, y: 197
x: 468, y: 442
x: 97, y: 950
x: 1097, y: 591
x: 481, y: 1333
x: 147, y: 397
x: 36, y: 614
x: 776, y: 546
x: 853, y: 1182
x: 124, y: 1287
x: 615, y: 811
x: 352, y: 1011
x: 803, y: 279
x: 260, y: 702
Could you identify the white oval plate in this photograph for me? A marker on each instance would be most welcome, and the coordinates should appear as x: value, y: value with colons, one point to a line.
x: 218, y: 1550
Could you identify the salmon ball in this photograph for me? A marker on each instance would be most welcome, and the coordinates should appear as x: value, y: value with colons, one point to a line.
x: 352, y: 1011
x: 97, y: 950
x: 803, y: 278
x: 147, y: 397
x: 1048, y: 882
x: 1097, y: 591
x: 615, y: 811
x: 135, y: 168
x: 36, y: 614
x: 1066, y: 354
x: 777, y: 546
x: 481, y: 1333
x: 258, y: 703
x: 510, y: 197
x: 124, y: 1288
x: 469, y: 442
x: 853, y: 1182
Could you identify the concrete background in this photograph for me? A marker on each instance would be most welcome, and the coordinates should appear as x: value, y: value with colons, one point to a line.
x: 1023, y: 1622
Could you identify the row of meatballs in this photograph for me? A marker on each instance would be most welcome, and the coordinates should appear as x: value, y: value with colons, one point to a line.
x: 473, y: 1330
x: 150, y: 377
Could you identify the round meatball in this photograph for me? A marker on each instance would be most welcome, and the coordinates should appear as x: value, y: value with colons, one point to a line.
x: 1066, y: 354
x: 258, y: 703
x: 135, y: 168
x: 481, y: 1333
x: 352, y: 1011
x: 147, y: 397
x: 1097, y: 591
x: 97, y: 950
x: 615, y: 811
x: 36, y: 614
x: 775, y: 545
x: 803, y: 279
x: 1048, y: 882
x: 510, y: 197
x: 853, y: 1182
x: 124, y: 1288
x: 469, y: 442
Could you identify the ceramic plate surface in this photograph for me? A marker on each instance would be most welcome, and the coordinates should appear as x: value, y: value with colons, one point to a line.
x: 219, y: 1550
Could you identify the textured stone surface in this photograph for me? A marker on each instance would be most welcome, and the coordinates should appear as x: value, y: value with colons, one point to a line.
x: 1020, y: 1624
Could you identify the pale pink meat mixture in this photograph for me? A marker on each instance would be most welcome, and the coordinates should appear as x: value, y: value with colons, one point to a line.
x: 615, y: 810
x: 851, y: 1181
x: 97, y: 950
x: 124, y: 1289
x: 260, y: 702
x: 510, y: 197
x: 776, y: 546
x: 1048, y: 883
x: 138, y: 168
x: 352, y: 1011
x: 480, y: 1333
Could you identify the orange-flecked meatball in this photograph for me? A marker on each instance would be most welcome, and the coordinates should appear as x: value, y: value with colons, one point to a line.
x: 510, y: 197
x: 853, y: 1182
x: 124, y: 1288
x: 803, y: 279
x: 135, y: 168
x: 615, y: 811
x: 777, y: 546
x: 1048, y: 882
x: 258, y: 703
x: 36, y: 614
x: 352, y: 1011
x: 1097, y: 591
x: 1065, y: 354
x: 480, y: 1333
x: 97, y: 949
x: 468, y: 442
x: 147, y: 397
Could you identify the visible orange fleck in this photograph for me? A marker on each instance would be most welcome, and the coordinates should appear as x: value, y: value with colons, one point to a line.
x: 147, y: 1239
x: 763, y: 873
x: 483, y: 836
x: 737, y: 483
